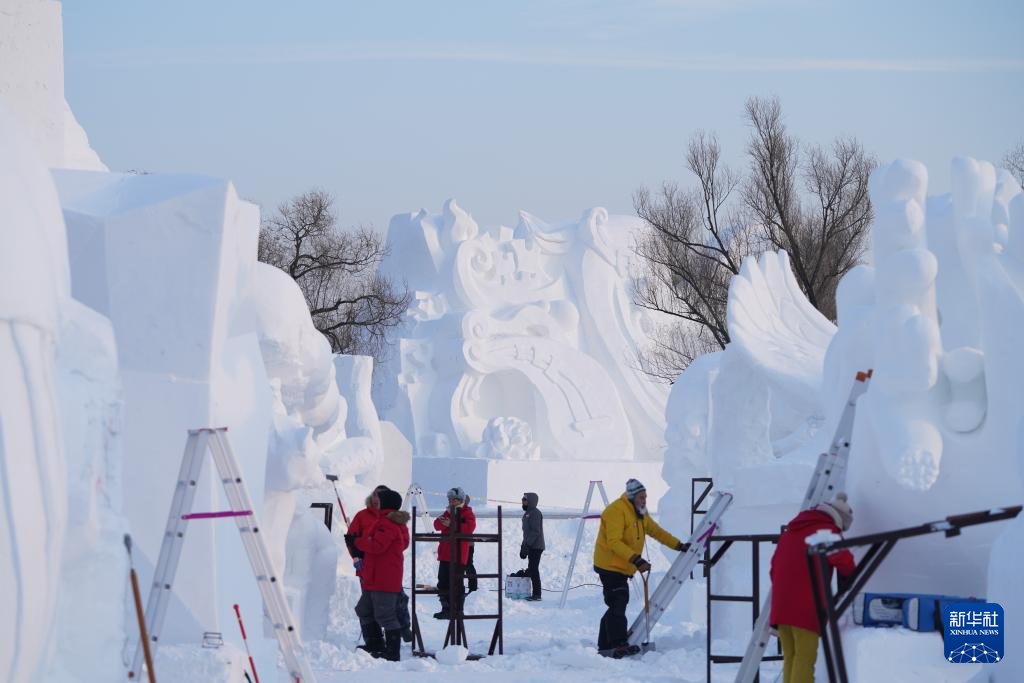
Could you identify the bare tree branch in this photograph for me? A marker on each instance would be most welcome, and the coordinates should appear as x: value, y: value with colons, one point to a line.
x: 350, y: 302
x: 1014, y: 162
x: 814, y: 204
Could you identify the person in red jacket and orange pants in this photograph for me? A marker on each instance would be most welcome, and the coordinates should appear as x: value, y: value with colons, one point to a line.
x: 383, y: 545
x: 792, y: 612
x: 467, y: 525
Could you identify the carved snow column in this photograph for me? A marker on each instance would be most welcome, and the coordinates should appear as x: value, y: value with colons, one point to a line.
x: 34, y: 285
x: 907, y: 346
x: 1005, y: 285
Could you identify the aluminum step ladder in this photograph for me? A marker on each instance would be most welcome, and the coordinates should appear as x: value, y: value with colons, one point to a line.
x: 828, y: 479
x: 241, y: 510
x: 599, y: 485
x: 679, y: 572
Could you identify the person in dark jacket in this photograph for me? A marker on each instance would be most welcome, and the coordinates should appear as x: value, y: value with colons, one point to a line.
x: 383, y: 546
x: 792, y: 612
x: 533, y: 541
x: 443, y: 524
x: 359, y: 526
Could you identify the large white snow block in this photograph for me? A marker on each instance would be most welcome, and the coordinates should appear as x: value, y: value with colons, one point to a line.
x: 169, y: 260
x: 33, y: 496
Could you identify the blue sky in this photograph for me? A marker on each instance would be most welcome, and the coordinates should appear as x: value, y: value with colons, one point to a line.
x: 549, y: 106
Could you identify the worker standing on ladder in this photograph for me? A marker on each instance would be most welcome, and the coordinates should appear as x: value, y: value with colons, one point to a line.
x: 625, y: 524
x: 383, y: 546
x: 793, y: 613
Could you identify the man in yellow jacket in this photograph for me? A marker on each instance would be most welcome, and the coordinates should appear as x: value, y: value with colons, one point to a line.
x: 618, y: 554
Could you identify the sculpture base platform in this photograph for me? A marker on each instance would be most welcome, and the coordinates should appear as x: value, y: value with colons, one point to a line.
x: 560, y: 484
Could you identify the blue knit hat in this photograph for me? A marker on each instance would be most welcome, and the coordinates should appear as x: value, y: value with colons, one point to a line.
x: 634, y: 487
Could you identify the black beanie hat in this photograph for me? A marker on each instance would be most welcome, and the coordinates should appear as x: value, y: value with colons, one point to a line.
x: 390, y: 500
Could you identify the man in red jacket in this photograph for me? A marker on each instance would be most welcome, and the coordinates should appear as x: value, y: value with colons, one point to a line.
x: 467, y: 525
x: 383, y: 545
x: 359, y: 526
x: 793, y: 613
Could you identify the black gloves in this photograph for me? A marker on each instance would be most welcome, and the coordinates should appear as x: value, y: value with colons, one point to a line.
x: 523, y: 552
x: 640, y: 563
x: 682, y: 547
x: 350, y: 543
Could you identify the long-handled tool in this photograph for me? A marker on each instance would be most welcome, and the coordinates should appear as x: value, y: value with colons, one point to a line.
x: 138, y: 613
x: 333, y: 478
x: 245, y: 640
x: 646, y: 576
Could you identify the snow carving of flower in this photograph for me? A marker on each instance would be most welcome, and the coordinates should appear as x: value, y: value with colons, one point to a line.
x: 508, y: 438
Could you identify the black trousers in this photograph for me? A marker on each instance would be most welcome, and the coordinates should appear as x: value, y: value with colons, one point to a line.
x: 533, y: 570
x: 471, y: 569
x: 616, y: 596
x: 444, y: 572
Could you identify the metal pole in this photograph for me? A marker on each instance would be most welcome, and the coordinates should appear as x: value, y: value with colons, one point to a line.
x: 816, y: 578
x: 417, y: 637
x: 833, y: 620
x: 137, y: 595
x: 501, y: 588
x: 707, y: 578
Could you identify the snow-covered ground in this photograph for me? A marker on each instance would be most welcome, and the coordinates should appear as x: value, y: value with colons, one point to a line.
x: 542, y: 641
x: 546, y: 643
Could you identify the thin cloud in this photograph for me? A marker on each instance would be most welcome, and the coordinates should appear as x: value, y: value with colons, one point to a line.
x: 267, y: 55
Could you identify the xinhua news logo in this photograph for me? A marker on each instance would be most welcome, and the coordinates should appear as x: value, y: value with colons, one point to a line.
x: 974, y: 632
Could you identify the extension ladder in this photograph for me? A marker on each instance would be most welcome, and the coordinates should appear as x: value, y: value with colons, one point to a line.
x: 829, y: 477
x: 274, y: 602
x: 679, y: 572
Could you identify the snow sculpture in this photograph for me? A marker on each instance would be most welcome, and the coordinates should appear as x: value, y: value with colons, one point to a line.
x: 508, y: 437
x: 938, y: 316
x: 34, y: 287
x: 519, y: 332
x: 94, y: 564
x: 32, y: 84
x: 169, y: 259
x: 744, y: 415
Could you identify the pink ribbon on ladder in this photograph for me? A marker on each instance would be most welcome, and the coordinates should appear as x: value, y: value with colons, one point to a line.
x: 213, y: 515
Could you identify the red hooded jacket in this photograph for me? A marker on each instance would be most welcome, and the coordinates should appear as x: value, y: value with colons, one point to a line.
x: 383, y: 543
x: 467, y: 526
x: 792, y: 601
x: 360, y: 526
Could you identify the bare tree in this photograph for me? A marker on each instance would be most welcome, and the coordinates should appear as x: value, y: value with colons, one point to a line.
x: 815, y: 205
x: 693, y: 248
x: 824, y: 228
x: 350, y: 302
x: 1014, y: 162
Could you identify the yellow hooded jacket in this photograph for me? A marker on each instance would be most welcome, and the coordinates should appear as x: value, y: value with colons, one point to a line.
x: 621, y: 537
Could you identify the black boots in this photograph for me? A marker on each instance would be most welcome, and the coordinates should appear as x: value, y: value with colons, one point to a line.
x: 373, y: 639
x: 381, y: 644
x: 393, y: 645
x: 445, y: 612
